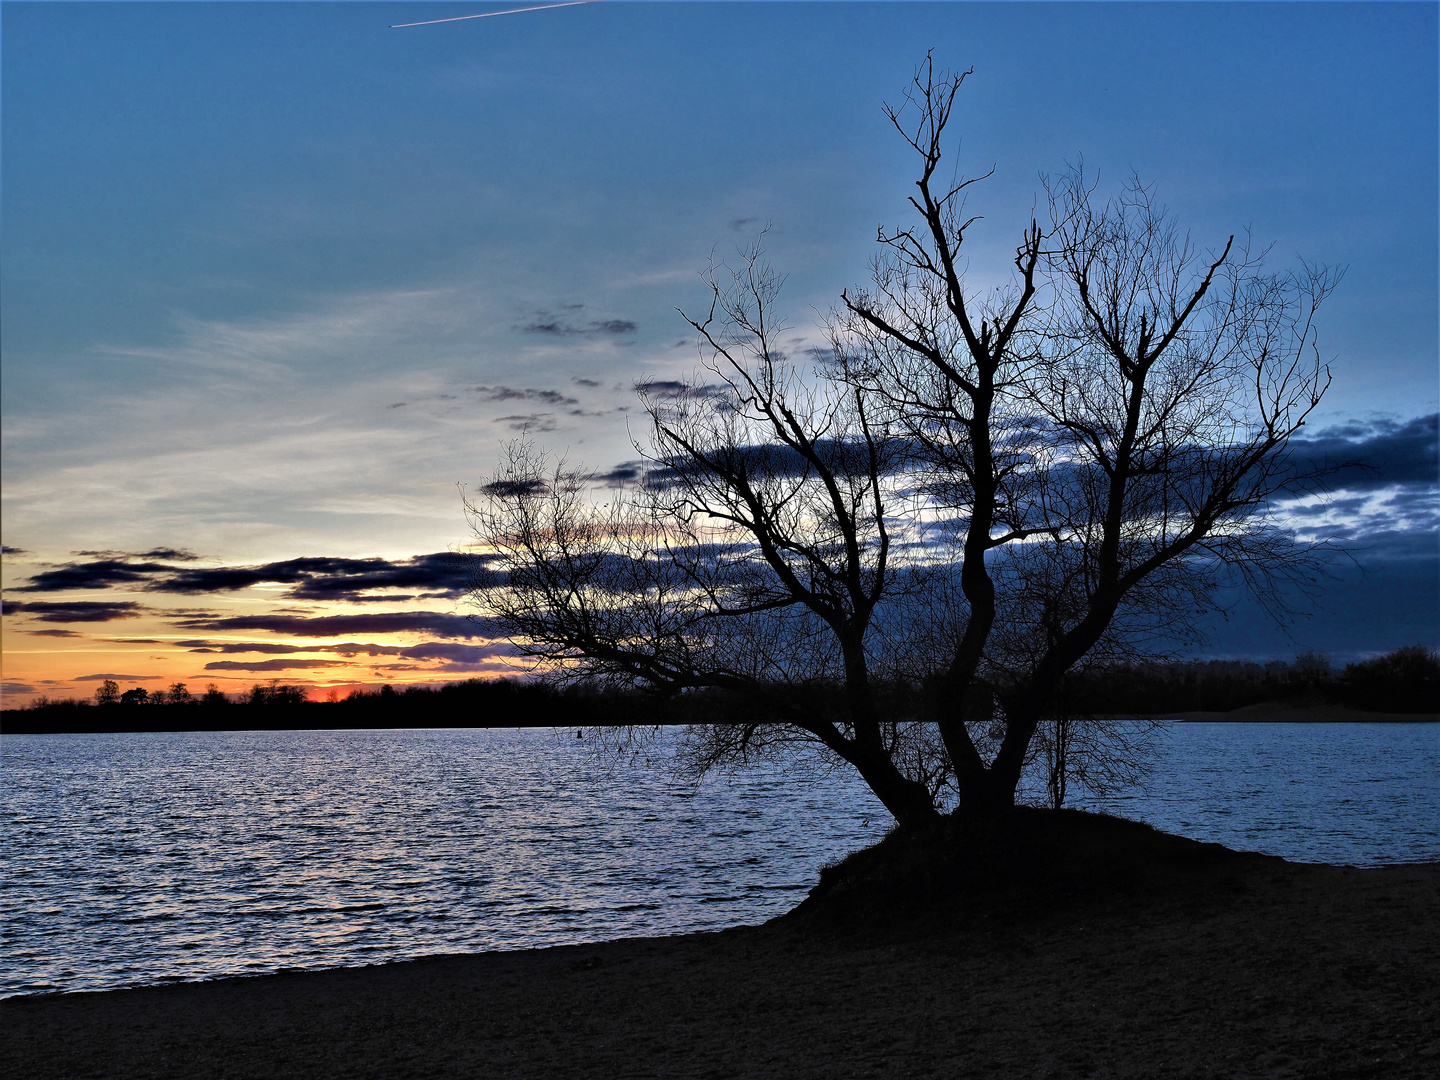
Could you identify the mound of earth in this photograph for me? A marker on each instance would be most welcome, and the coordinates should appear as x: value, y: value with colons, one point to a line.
x: 1026, y: 861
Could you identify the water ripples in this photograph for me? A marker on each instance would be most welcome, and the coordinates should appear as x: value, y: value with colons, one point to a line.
x: 150, y: 858
x: 142, y: 858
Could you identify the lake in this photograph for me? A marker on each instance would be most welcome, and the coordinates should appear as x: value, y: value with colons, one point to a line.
x: 131, y: 859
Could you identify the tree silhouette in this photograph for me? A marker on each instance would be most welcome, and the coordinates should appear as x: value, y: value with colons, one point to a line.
x: 897, y: 553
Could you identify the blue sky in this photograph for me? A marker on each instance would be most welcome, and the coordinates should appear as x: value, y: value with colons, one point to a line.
x: 276, y: 276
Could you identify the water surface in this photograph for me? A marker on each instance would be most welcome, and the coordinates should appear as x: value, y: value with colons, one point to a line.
x: 132, y: 859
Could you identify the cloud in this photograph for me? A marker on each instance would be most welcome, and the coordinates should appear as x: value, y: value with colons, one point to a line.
x: 512, y: 489
x: 510, y: 393
x: 444, y: 573
x: 54, y: 633
x: 528, y: 422
x: 1384, y: 452
x: 655, y: 390
x: 168, y: 553
x: 172, y: 554
x: 102, y: 676
x: 16, y: 688
x: 588, y: 383
x: 244, y: 647
x: 388, y: 622
x: 451, y: 655
x: 100, y: 574
x: 6, y: 549
x: 627, y: 472
x: 553, y: 326
x: 273, y: 665
x: 76, y: 610
x: 1410, y: 547
x: 670, y: 389
x: 441, y: 573
x: 360, y: 329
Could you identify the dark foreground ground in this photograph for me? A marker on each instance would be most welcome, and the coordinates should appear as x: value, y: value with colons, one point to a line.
x: 1208, y: 964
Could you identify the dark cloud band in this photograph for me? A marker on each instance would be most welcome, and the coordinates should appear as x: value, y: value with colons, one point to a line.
x: 384, y: 622
x: 447, y: 574
x: 75, y: 611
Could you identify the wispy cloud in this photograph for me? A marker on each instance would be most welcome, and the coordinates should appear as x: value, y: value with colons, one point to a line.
x: 626, y: 474
x: 443, y: 573
x: 1379, y: 453
x: 551, y: 325
x: 553, y: 398
x: 388, y: 622
x: 76, y: 611
x: 357, y: 327
x: 98, y: 574
x: 273, y: 665
x: 672, y: 389
x: 1384, y: 478
x: 529, y: 422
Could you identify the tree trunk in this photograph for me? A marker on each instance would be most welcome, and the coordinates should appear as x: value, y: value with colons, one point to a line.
x: 987, y: 791
x: 907, y: 800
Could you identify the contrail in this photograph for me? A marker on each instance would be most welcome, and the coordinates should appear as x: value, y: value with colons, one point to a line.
x: 488, y: 14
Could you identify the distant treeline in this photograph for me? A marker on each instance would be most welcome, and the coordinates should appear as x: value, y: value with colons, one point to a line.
x: 1404, y: 681
x: 279, y: 706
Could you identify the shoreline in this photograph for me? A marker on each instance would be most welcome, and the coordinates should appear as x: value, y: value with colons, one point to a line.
x: 1280, y: 713
x: 1264, y: 713
x: 1263, y: 968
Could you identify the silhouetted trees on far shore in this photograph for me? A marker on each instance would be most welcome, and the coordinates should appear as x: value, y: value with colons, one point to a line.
x: 1405, y: 681
x: 275, y: 705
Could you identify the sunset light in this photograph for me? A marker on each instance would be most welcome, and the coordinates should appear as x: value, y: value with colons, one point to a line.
x: 775, y: 540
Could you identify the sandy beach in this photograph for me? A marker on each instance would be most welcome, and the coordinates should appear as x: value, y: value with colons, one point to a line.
x: 1239, y: 966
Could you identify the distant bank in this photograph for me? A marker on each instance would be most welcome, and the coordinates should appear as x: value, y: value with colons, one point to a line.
x: 332, y: 717
x: 1401, y: 686
x: 471, y: 704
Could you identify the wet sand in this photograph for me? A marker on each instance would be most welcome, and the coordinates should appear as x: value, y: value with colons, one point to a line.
x: 1257, y: 968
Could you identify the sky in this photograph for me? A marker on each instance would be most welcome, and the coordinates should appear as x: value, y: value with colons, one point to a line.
x: 277, y: 279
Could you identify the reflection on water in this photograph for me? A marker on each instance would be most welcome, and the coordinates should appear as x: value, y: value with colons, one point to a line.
x: 144, y: 858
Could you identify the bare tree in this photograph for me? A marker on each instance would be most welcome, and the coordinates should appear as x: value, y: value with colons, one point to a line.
x: 1106, y: 432
x: 753, y: 561
x: 979, y: 490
